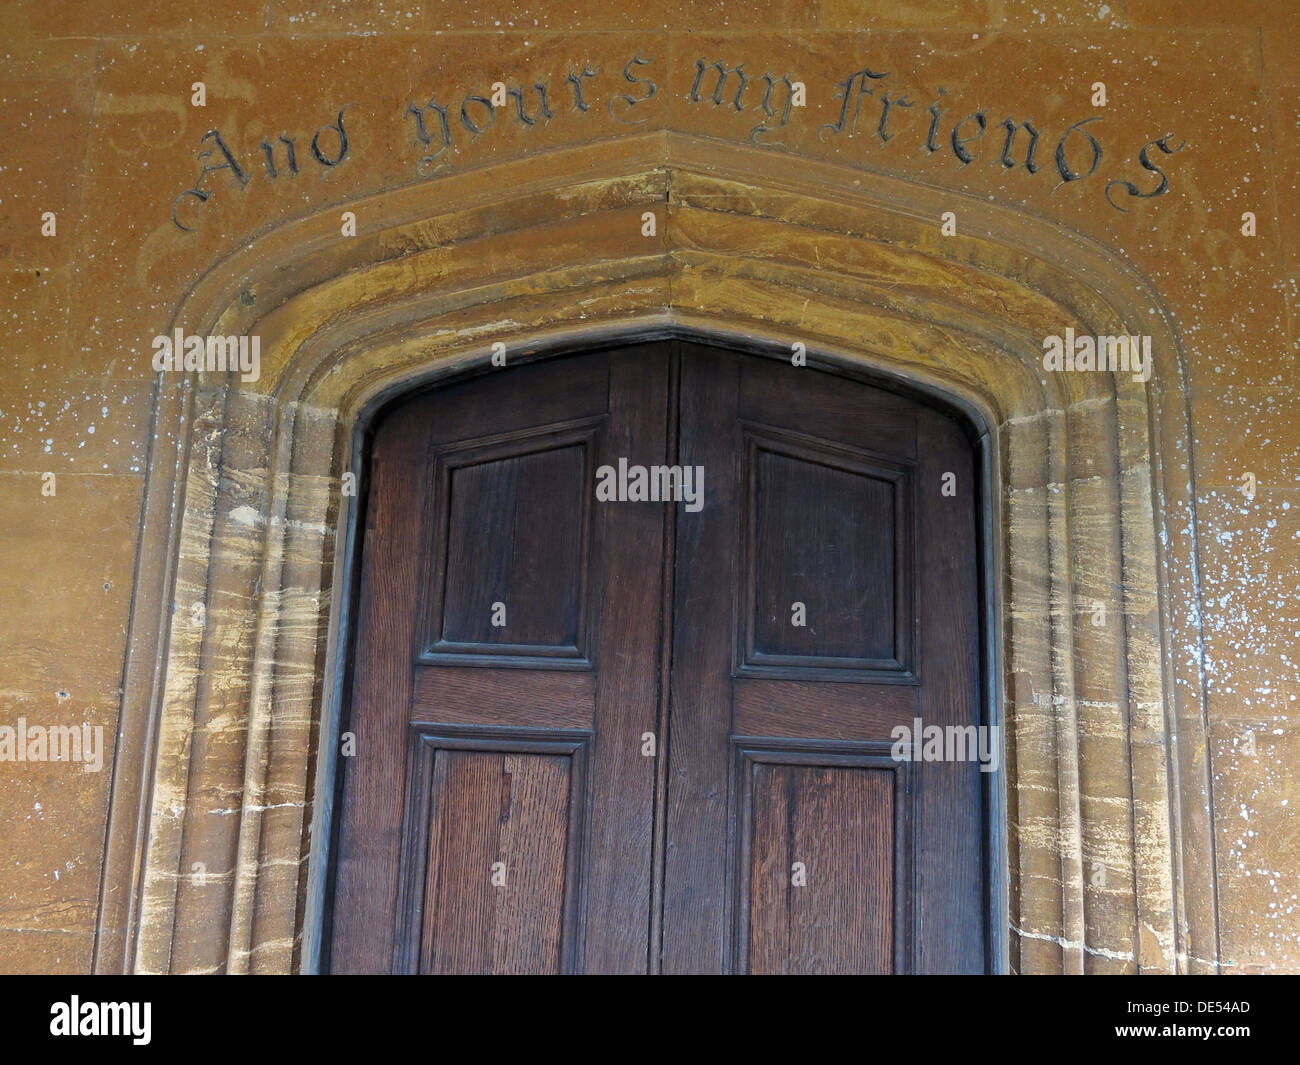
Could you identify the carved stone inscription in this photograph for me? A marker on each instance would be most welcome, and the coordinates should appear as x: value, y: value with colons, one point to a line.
x: 867, y: 103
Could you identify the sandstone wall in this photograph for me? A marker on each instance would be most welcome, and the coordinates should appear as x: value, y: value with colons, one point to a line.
x: 99, y: 128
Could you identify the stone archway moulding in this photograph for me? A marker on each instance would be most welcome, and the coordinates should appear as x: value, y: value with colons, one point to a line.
x: 209, y: 863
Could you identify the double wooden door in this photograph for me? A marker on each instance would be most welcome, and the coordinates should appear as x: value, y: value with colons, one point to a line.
x: 653, y: 732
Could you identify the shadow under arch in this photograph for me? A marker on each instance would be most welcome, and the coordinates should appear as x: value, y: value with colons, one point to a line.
x: 245, y: 511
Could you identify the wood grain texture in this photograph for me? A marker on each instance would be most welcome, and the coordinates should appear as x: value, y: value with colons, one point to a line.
x: 696, y: 874
x: 824, y: 538
x: 836, y: 826
x: 501, y: 816
x: 951, y: 857
x: 508, y: 697
x: 374, y: 781
x: 818, y: 710
x: 515, y: 531
x: 630, y: 643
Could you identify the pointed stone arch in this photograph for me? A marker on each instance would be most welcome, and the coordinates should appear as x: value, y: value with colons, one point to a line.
x: 1108, y: 856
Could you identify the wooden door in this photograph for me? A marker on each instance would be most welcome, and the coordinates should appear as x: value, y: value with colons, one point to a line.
x: 646, y: 735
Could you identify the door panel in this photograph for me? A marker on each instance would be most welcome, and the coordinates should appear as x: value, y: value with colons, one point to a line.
x: 636, y: 736
x: 820, y: 869
x: 495, y: 808
x: 518, y: 518
x: 826, y: 528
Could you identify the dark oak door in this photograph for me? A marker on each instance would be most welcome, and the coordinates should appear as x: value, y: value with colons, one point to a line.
x: 654, y: 733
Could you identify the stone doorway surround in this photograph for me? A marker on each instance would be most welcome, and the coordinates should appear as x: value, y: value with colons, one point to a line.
x: 221, y: 785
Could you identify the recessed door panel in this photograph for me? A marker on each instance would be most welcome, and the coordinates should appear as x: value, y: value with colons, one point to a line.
x: 492, y: 875
x: 820, y: 869
x: 510, y: 564
x: 828, y: 570
x: 515, y: 532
